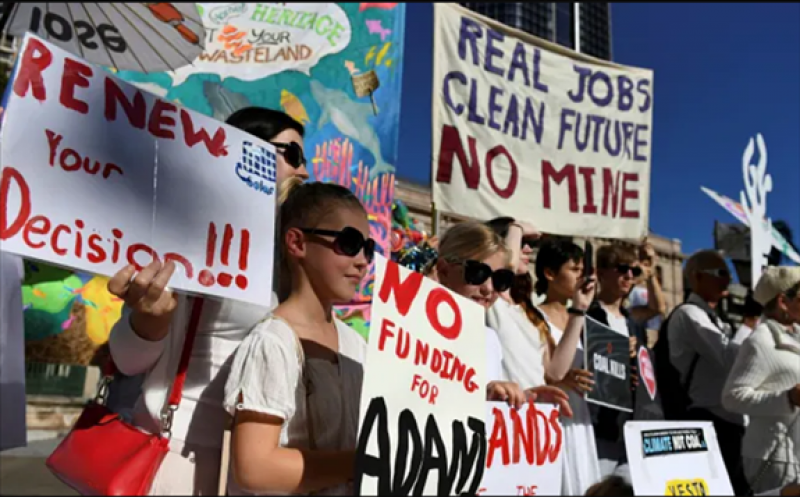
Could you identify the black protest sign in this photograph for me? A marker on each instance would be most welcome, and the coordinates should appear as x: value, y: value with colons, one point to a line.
x: 608, y: 358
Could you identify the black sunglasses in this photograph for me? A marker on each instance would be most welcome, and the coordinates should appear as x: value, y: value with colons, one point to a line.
x: 476, y: 273
x: 349, y: 241
x: 293, y: 153
x: 636, y: 271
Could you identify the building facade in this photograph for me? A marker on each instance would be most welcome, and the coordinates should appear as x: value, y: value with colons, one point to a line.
x: 670, y: 258
x: 557, y: 22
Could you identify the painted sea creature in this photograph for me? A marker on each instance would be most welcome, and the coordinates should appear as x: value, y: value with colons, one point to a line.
x: 294, y: 107
x: 223, y: 102
x: 352, y: 120
x: 375, y: 27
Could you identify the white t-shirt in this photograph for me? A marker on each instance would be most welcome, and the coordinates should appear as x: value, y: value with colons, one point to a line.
x: 522, y: 347
x: 494, y: 357
x: 320, y: 401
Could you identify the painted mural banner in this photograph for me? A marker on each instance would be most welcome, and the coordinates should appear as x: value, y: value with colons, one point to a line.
x: 312, y: 61
x: 525, y: 450
x: 675, y: 458
x: 423, y: 400
x: 525, y: 128
x: 98, y: 174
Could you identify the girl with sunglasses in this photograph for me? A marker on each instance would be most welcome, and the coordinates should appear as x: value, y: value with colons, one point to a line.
x: 473, y: 263
x: 147, y: 341
x: 295, y: 382
x: 559, y: 277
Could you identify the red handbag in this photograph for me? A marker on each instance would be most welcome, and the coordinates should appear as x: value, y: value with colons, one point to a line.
x: 104, y: 455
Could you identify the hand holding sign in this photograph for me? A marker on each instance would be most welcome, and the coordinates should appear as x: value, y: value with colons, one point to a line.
x: 553, y: 395
x: 505, y: 391
x: 147, y: 295
x: 578, y: 380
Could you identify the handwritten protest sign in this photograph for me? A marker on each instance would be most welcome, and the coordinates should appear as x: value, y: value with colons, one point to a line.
x: 525, y: 128
x: 424, y: 395
x: 675, y: 458
x: 607, y: 358
x: 524, y: 455
x: 97, y: 174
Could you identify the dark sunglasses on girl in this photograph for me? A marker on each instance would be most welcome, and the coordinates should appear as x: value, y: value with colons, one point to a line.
x: 349, y: 241
x: 476, y: 273
x: 636, y: 271
x: 292, y: 152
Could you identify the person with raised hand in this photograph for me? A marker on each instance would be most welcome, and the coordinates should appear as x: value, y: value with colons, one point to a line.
x: 148, y: 338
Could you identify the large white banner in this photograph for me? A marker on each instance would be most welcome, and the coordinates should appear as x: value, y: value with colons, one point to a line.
x: 525, y: 453
x: 675, y: 458
x: 525, y: 128
x: 423, y: 401
x: 97, y: 174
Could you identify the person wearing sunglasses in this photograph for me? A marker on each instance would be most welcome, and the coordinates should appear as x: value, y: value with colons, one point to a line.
x: 560, y: 278
x: 702, y: 351
x: 618, y: 269
x: 295, y: 382
x: 147, y: 340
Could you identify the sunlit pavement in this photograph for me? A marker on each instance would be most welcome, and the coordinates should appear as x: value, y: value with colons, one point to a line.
x: 22, y: 471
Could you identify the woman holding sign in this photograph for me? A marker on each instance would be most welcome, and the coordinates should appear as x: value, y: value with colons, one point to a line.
x: 295, y: 382
x: 148, y: 338
x: 559, y: 276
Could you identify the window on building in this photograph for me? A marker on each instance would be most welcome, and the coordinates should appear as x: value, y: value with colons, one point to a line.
x: 564, y: 25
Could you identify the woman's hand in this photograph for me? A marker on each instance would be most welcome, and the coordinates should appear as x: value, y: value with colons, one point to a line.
x: 578, y: 380
x: 648, y: 258
x: 551, y: 395
x: 505, y: 391
x: 584, y: 294
x: 148, y: 297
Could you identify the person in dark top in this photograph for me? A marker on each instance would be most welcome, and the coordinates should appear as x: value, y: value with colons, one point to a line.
x: 618, y: 268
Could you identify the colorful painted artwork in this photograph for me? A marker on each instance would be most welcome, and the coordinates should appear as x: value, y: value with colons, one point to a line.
x: 49, y: 293
x: 312, y: 61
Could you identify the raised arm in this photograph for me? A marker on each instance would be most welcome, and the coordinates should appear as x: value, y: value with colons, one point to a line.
x: 656, y: 303
x: 563, y: 355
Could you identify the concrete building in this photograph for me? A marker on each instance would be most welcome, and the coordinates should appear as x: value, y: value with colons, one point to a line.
x: 557, y: 22
x: 670, y: 264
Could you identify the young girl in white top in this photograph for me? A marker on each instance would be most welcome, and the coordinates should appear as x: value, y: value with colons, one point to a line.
x: 148, y: 338
x: 473, y: 262
x: 559, y: 269
x: 295, y: 382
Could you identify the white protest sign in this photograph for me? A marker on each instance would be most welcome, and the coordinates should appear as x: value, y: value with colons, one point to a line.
x: 525, y: 450
x: 675, y: 458
x: 757, y: 184
x: 423, y: 399
x: 251, y: 41
x: 97, y: 174
x: 525, y: 128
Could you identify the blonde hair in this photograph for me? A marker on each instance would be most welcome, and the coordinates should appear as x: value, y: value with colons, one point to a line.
x: 472, y: 240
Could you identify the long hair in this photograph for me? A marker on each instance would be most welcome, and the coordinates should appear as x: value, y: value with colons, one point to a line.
x: 522, y: 289
x: 471, y: 240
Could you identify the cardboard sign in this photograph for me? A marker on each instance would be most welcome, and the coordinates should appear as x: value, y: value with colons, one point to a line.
x: 525, y: 450
x: 424, y: 396
x: 97, y: 174
x: 607, y: 357
x: 526, y: 128
x: 675, y: 458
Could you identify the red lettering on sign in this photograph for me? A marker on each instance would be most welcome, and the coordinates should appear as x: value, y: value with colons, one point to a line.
x: 435, y: 298
x: 549, y: 173
x: 540, y: 437
x: 136, y: 110
x: 35, y: 60
x: 405, y: 292
x: 75, y: 74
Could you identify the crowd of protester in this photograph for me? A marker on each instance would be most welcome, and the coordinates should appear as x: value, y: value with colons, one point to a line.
x: 287, y: 378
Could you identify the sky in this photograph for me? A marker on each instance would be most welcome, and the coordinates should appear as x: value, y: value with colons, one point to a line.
x: 722, y: 73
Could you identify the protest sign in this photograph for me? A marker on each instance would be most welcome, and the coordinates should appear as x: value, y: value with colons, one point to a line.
x: 675, y: 458
x: 528, y: 129
x: 423, y: 400
x: 98, y: 174
x: 524, y: 455
x: 607, y: 357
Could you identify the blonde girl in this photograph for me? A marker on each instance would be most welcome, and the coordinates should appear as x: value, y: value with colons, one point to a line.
x: 295, y: 382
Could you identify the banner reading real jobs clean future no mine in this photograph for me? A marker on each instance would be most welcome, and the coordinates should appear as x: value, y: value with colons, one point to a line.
x: 525, y: 128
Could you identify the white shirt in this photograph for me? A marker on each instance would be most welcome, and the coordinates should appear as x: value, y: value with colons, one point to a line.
x: 522, y: 347
x: 270, y: 375
x: 691, y: 332
x: 223, y: 326
x: 742, y: 333
x: 494, y: 357
x: 767, y: 366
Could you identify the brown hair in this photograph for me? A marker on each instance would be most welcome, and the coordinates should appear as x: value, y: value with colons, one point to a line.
x: 520, y: 293
x: 610, y: 256
x: 615, y: 486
